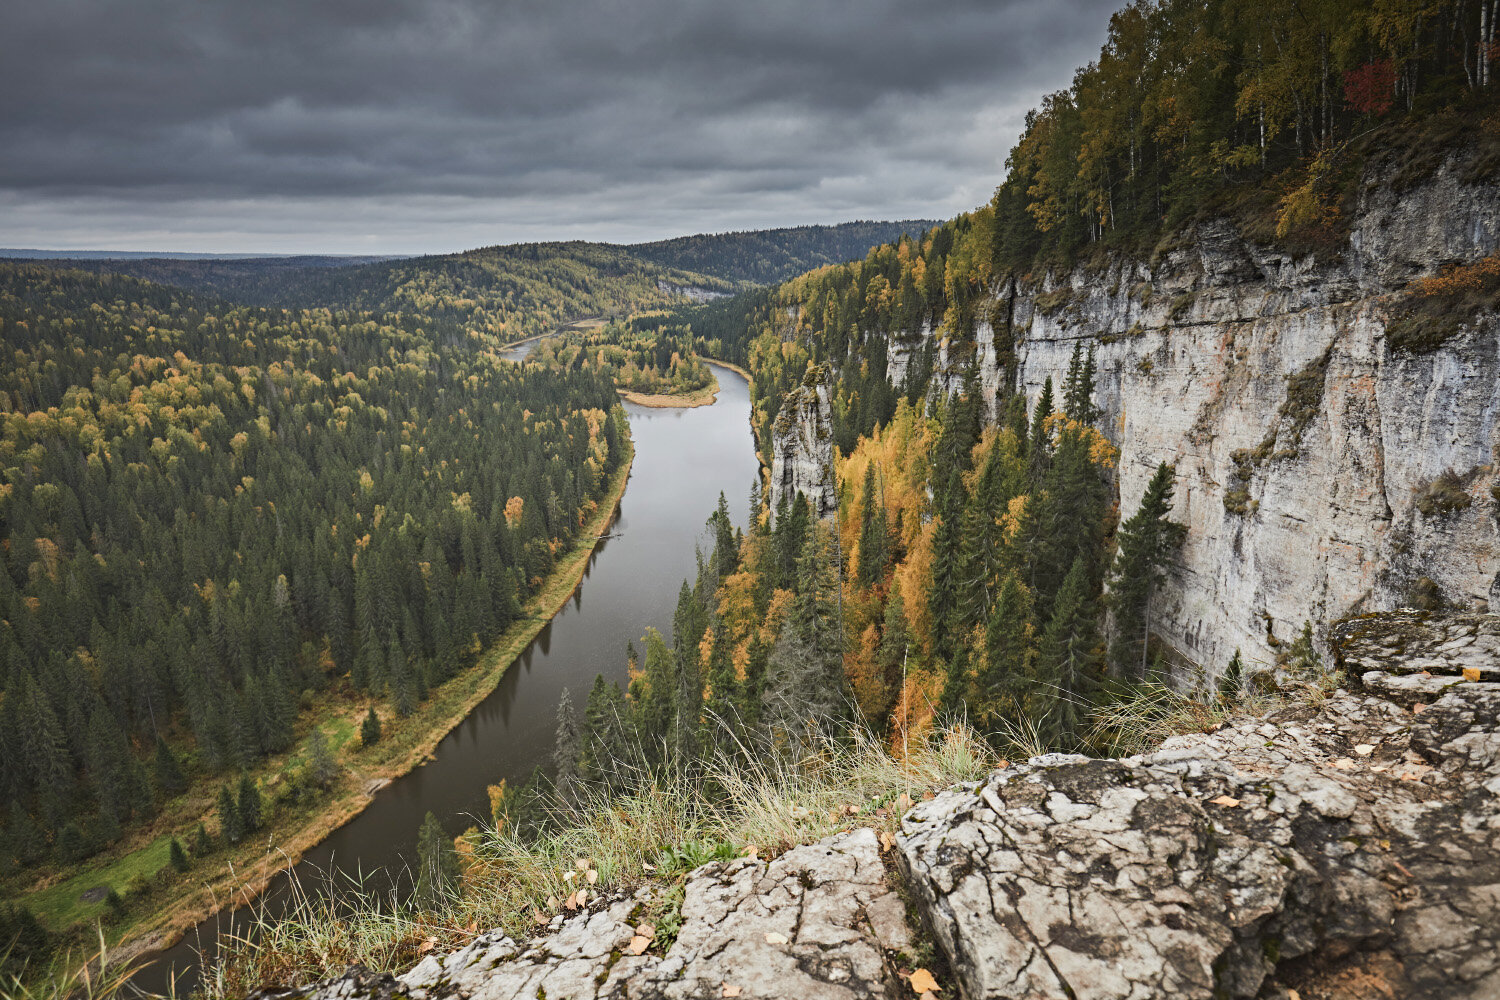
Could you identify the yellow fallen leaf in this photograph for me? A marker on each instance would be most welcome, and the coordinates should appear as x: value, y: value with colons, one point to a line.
x: 638, y: 945
x: 852, y: 810
x: 646, y: 931
x: 427, y: 946
x: 1002, y: 764
x: 1292, y: 994
x: 583, y: 897
x: 774, y: 938
x: 887, y: 841
x: 1227, y: 801
x: 583, y: 864
x: 1365, y: 749
x: 1418, y: 708
x: 730, y: 991
x: 592, y: 875
x: 1471, y: 673
x: 538, y: 917
x: 551, y: 902
x: 647, y: 867
x: 570, y: 903
x: 922, y: 982
x: 903, y: 802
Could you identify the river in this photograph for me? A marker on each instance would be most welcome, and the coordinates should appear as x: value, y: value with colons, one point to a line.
x: 683, y: 460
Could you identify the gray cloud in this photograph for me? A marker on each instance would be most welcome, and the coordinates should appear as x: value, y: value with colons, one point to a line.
x: 417, y: 125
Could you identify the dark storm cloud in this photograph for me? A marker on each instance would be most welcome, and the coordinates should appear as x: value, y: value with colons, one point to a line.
x: 346, y: 124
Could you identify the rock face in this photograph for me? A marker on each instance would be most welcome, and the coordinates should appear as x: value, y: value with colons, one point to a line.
x: 1305, y: 445
x: 802, y: 446
x: 1348, y: 851
x: 815, y: 924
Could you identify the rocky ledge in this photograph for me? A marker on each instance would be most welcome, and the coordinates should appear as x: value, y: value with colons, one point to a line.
x: 1348, y: 849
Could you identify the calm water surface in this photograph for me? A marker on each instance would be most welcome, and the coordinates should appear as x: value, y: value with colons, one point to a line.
x: 683, y: 459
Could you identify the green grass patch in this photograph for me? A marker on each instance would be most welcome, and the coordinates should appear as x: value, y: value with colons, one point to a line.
x: 61, y: 905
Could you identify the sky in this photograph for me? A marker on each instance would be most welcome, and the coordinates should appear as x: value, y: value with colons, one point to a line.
x: 421, y: 126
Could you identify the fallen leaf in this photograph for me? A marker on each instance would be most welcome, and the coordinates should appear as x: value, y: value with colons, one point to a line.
x: 1418, y: 708
x: 1365, y: 749
x: 1471, y: 673
x: 570, y: 903
x: 538, y: 917
x: 927, y: 796
x: 1342, y: 764
x: 1292, y: 994
x: 903, y: 802
x: 471, y: 928
x: 583, y: 897
x: 730, y: 991
x: 1227, y: 801
x: 646, y: 931
x: 647, y: 867
x: 592, y: 875
x: 638, y: 945
x: 1002, y: 764
x: 774, y: 938
x: 922, y: 982
x: 852, y: 810
x: 427, y: 946
x: 887, y: 841
x: 551, y: 902
x: 751, y: 852
x: 583, y: 864
x: 569, y: 876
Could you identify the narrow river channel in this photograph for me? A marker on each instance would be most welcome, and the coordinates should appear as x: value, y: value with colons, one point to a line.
x: 683, y: 460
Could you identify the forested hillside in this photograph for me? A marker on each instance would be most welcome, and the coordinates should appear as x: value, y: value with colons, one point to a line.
x: 213, y: 513
x: 766, y: 256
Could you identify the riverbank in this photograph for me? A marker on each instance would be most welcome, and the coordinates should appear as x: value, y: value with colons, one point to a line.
x: 241, y: 873
x: 687, y: 400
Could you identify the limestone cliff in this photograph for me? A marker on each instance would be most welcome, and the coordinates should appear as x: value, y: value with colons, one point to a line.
x: 1307, y: 448
x: 802, y: 446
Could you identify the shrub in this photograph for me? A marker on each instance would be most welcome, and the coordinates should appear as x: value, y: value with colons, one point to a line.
x: 1443, y: 495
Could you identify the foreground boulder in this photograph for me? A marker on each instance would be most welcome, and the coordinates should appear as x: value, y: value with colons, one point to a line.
x: 1346, y: 850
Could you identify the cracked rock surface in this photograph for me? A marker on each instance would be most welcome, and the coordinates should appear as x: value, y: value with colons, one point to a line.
x: 1346, y: 851
x: 812, y: 924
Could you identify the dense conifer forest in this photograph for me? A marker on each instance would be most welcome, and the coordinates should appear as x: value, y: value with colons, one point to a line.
x: 214, y: 511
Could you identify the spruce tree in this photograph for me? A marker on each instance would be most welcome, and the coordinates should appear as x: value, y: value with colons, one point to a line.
x: 874, y: 540
x: 437, y: 866
x: 1068, y: 656
x: 249, y: 804
x: 369, y: 730
x: 1003, y: 678
x: 203, y: 844
x: 320, y: 762
x: 955, y: 697
x: 1039, y: 448
x: 230, y: 827
x: 178, y: 856
x: 567, y: 747
x: 1232, y: 681
x: 169, y: 776
x: 1147, y: 544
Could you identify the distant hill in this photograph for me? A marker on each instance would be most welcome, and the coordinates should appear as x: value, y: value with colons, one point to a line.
x: 304, y: 260
x: 766, y: 256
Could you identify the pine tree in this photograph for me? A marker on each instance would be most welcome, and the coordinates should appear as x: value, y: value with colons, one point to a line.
x: 369, y: 730
x: 1148, y: 543
x: 1068, y: 656
x: 169, y: 776
x: 1078, y: 391
x: 203, y: 844
x: 1039, y: 448
x: 874, y: 538
x: 249, y: 804
x: 178, y: 856
x: 1003, y: 679
x: 437, y: 866
x: 567, y: 747
x: 1231, y: 683
x: 321, y: 764
x: 230, y: 827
